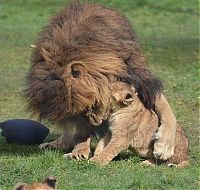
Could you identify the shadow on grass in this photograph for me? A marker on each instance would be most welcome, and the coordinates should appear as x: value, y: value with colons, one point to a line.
x: 124, y: 156
x: 11, y: 149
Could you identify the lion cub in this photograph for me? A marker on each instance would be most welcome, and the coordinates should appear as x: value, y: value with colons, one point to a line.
x: 48, y: 184
x: 133, y: 126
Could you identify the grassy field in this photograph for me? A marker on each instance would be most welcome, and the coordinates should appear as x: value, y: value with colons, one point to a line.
x: 168, y: 31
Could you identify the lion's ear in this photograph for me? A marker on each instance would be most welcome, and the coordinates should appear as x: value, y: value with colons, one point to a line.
x: 128, y: 99
x: 20, y: 186
x: 46, y: 55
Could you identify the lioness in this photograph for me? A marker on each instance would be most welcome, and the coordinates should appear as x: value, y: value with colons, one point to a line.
x: 133, y: 126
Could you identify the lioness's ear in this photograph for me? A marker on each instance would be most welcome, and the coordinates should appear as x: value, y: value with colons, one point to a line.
x: 20, y: 186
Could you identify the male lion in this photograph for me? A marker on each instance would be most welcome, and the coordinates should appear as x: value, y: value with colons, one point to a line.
x: 79, y: 53
x: 133, y: 126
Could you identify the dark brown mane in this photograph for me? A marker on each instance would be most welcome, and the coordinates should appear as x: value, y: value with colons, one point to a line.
x: 82, y: 49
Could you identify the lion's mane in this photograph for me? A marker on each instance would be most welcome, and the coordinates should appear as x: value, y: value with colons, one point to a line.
x: 82, y: 49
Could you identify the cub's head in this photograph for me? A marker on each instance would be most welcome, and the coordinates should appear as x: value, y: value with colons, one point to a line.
x: 48, y: 184
x: 122, y: 95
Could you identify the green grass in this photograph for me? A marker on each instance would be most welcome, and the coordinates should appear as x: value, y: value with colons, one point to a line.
x: 169, y: 35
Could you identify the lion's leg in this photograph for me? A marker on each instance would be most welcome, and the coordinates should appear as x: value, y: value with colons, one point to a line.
x: 117, y: 144
x: 76, y: 137
x: 102, y: 144
x: 64, y: 142
x: 165, y: 136
x: 81, y: 150
x: 81, y: 139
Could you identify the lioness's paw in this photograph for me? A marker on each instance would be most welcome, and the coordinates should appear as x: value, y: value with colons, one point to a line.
x: 98, y: 161
x: 164, y: 144
x: 71, y: 156
x: 78, y: 154
x: 172, y: 165
x: 92, y: 159
x: 162, y: 153
x: 148, y: 162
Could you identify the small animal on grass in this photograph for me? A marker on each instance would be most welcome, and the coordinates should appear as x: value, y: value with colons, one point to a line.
x: 48, y: 184
x: 84, y: 48
x: 133, y: 126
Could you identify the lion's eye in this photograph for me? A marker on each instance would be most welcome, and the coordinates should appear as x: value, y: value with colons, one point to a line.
x: 75, y: 73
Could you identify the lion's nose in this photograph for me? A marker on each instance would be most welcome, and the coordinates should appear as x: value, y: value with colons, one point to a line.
x: 54, y: 76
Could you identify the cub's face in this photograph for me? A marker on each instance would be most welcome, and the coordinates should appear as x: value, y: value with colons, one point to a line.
x: 48, y: 184
x: 96, y: 115
x: 122, y: 95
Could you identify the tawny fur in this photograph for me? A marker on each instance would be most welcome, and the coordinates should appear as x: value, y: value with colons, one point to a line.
x: 133, y: 126
x: 78, y: 54
x: 48, y: 184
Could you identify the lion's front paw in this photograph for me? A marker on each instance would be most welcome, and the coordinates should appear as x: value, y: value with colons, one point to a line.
x: 50, y: 145
x: 79, y: 154
x: 164, y: 144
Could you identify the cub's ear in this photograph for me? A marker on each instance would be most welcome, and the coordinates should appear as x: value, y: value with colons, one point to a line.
x: 134, y: 91
x: 50, y: 181
x: 20, y: 186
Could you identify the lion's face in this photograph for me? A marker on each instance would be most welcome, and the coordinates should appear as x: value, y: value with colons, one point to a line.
x: 56, y: 91
x: 87, y: 88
